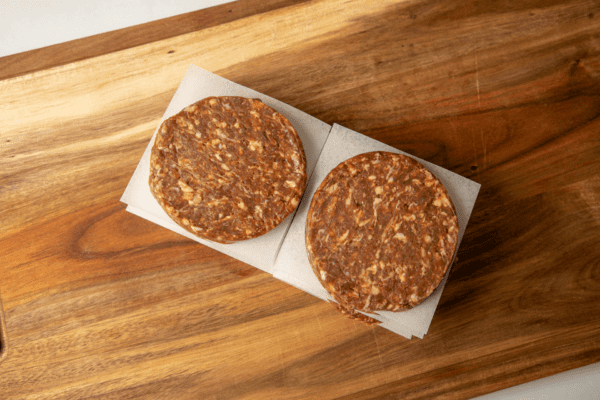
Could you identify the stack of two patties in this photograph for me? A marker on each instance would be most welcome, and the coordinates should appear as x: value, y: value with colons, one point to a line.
x: 381, y: 230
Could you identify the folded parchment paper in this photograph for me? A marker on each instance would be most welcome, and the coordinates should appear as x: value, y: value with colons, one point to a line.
x: 282, y: 251
x: 197, y: 85
x: 292, y: 265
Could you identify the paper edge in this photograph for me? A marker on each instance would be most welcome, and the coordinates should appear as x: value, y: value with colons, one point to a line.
x: 192, y: 72
x: 386, y: 322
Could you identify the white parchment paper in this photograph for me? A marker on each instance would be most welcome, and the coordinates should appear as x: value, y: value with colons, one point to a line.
x: 199, y: 84
x: 282, y: 252
x: 292, y: 265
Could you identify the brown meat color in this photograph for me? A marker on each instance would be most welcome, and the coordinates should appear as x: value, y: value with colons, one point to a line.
x: 381, y: 233
x: 227, y: 168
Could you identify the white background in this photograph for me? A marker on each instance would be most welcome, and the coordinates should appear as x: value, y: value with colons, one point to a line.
x: 31, y: 24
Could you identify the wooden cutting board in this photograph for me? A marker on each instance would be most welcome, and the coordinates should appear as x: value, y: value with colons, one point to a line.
x: 99, y: 302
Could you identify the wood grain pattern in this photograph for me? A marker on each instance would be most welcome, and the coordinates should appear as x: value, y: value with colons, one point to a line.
x: 121, y: 39
x: 102, y: 304
x: 3, y: 335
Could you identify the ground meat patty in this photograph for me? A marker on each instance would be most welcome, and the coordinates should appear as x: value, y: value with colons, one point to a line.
x: 353, y: 314
x: 381, y: 233
x: 227, y: 168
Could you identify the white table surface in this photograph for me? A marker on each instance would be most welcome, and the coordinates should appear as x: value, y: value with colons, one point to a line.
x: 32, y: 24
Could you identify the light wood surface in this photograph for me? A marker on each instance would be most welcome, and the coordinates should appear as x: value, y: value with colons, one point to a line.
x: 102, y: 304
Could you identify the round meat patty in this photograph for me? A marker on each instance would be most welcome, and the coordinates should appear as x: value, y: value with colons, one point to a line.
x: 227, y: 168
x: 381, y: 233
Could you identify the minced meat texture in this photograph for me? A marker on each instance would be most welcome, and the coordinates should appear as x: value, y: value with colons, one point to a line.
x: 381, y: 232
x: 228, y: 168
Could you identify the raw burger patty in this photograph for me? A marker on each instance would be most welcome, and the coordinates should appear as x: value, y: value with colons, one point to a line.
x: 227, y: 168
x: 381, y: 233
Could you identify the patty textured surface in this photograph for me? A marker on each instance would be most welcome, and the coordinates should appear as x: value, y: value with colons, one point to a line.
x: 227, y: 168
x: 381, y: 233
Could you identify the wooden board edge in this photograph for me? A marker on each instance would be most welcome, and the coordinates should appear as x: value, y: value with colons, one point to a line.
x: 3, y: 334
x: 34, y: 60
